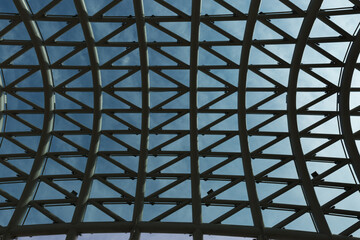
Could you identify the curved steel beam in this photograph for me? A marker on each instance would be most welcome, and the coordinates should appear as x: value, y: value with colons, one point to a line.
x: 344, y: 108
x: 85, y: 190
x: 176, y: 227
x: 2, y: 105
x: 144, y: 142
x: 49, y: 104
x: 194, y: 149
x: 300, y: 163
x: 245, y: 152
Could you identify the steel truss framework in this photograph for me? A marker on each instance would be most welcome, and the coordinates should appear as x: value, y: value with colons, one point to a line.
x: 48, y: 133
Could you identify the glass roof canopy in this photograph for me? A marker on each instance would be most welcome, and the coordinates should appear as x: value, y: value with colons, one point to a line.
x: 206, y: 117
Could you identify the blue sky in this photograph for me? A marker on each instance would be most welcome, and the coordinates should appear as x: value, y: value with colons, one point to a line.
x: 181, y: 78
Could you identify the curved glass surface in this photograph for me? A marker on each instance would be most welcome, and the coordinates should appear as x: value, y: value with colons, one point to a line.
x: 197, y: 117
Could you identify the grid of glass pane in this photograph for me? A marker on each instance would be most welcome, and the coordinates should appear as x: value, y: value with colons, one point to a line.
x: 204, y: 117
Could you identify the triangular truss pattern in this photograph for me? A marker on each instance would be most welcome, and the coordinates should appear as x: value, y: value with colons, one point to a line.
x: 215, y: 117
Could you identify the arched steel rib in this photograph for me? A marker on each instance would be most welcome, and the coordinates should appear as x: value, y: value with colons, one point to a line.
x: 2, y: 105
x: 194, y: 149
x: 84, y: 194
x: 344, y: 108
x: 300, y: 163
x: 49, y: 103
x: 144, y: 142
x: 245, y: 152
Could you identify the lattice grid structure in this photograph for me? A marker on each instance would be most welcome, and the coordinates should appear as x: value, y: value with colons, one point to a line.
x: 220, y: 117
